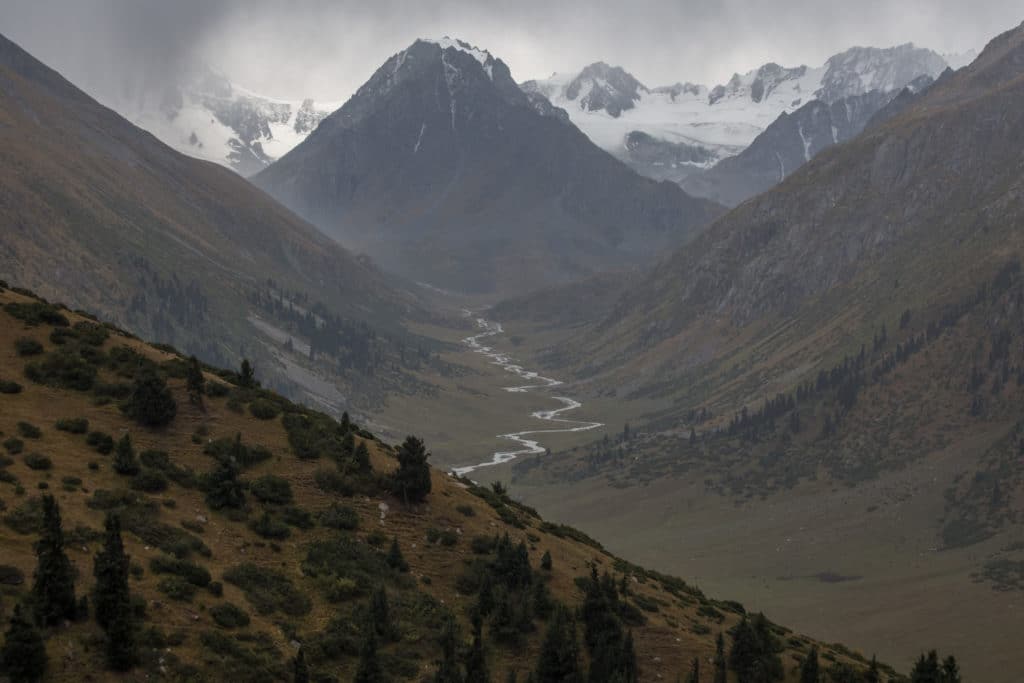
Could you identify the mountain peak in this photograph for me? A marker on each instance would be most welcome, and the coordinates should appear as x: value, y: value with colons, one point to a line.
x: 482, y: 56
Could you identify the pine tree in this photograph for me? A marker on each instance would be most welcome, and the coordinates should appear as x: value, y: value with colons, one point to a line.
x: 54, y: 584
x: 361, y: 457
x: 151, y: 402
x: 300, y: 671
x: 380, y: 614
x: 950, y: 670
x: 23, y: 655
x: 545, y: 561
x: 412, y: 479
x: 395, y: 559
x: 110, y: 568
x: 223, y: 488
x: 694, y: 675
x: 121, y: 651
x: 448, y: 667
x: 476, y: 660
x: 247, y: 376
x: 124, y: 457
x: 809, y: 672
x: 559, y: 655
x: 720, y: 668
x: 873, y: 675
x: 195, y: 384
x: 369, y: 670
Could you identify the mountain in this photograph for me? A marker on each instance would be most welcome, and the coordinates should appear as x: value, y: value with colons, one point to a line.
x: 444, y: 171
x: 692, y: 127
x: 208, y: 117
x: 102, y: 215
x: 256, y: 531
x: 791, y: 141
x: 841, y: 351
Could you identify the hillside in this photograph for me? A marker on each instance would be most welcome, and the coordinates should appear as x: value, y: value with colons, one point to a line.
x: 101, y: 215
x: 255, y: 527
x: 849, y: 340
x: 445, y: 172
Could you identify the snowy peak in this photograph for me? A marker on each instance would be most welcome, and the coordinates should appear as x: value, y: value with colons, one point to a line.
x: 446, y: 43
x: 600, y: 87
x: 860, y: 70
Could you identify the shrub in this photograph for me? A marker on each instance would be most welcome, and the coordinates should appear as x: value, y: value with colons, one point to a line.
x: 263, y: 409
x: 151, y: 403
x: 272, y: 489
x: 297, y: 517
x: 482, y: 545
x: 234, y: 450
x: 339, y: 516
x: 466, y: 510
x: 160, y: 461
x: 217, y: 390
x: 268, y: 591
x: 101, y: 442
x: 64, y: 369
x: 11, y: 576
x: 228, y: 615
x: 92, y: 334
x: 73, y: 425
x: 176, y: 588
x: 29, y: 430
x: 9, y: 387
x: 38, y: 461
x: 71, y: 483
x: 14, y: 445
x: 268, y: 526
x: 150, y: 481
x: 330, y: 481
x: 37, y: 313
x: 28, y: 347
x: 189, y: 571
x: 27, y: 518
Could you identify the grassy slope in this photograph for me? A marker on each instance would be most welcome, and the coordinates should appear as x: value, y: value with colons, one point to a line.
x: 672, y: 635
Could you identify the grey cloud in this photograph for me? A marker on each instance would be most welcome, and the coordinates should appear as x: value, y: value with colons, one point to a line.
x: 328, y: 48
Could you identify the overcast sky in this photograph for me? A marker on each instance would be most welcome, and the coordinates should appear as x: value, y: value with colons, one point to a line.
x: 326, y: 49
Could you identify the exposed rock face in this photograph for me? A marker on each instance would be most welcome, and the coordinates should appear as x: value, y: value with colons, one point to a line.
x: 444, y: 171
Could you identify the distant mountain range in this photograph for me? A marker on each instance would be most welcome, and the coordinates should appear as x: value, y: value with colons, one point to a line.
x: 209, y: 117
x: 445, y: 171
x: 673, y: 132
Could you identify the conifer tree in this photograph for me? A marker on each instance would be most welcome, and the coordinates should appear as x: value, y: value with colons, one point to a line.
x: 53, y: 587
x: 121, y: 650
x: 368, y: 670
x: 545, y: 561
x: 809, y: 672
x: 110, y: 568
x: 380, y: 614
x: 873, y: 675
x: 195, y: 384
x: 412, y: 479
x: 151, y: 402
x: 300, y: 671
x: 23, y: 655
x: 448, y: 667
x: 694, y: 675
x: 223, y: 488
x: 124, y: 457
x: 720, y: 666
x: 361, y: 457
x: 395, y: 559
x: 476, y: 660
x: 247, y: 375
x: 559, y: 656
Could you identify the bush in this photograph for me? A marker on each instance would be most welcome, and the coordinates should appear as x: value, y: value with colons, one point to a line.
x: 151, y: 403
x: 149, y: 481
x: 73, y: 425
x: 228, y: 615
x: 263, y: 409
x: 482, y: 545
x: 297, y: 517
x: 272, y: 489
x: 101, y: 442
x: 189, y: 571
x: 9, y: 387
x: 176, y: 588
x: 28, y: 347
x: 160, y: 461
x: 63, y: 369
x: 339, y: 516
x: 268, y: 591
x: 27, y: 518
x: 330, y: 481
x: 268, y: 526
x: 234, y: 450
x: 466, y: 510
x: 14, y: 445
x: 37, y: 313
x: 29, y: 430
x: 38, y: 461
x: 92, y: 334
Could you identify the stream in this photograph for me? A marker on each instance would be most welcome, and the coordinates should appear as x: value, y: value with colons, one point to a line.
x: 535, y: 381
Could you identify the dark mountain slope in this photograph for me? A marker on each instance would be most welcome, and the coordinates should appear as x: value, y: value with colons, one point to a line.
x: 445, y: 171
x: 100, y: 214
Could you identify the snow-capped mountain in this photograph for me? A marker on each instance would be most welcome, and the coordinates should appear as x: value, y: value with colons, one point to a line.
x: 209, y: 117
x: 445, y: 172
x: 704, y: 125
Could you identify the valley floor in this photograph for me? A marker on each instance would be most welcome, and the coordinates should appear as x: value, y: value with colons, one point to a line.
x: 836, y: 562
